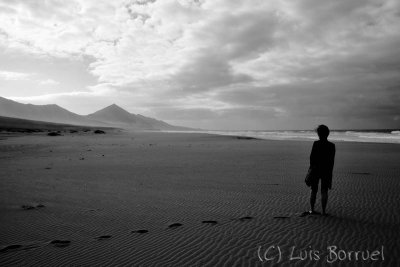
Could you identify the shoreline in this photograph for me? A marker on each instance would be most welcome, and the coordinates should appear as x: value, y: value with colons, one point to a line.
x: 245, y: 135
x: 335, y: 136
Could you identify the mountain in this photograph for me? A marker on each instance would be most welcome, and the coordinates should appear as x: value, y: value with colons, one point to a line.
x: 161, y: 124
x: 48, y: 113
x: 22, y: 125
x: 111, y: 116
x: 117, y: 116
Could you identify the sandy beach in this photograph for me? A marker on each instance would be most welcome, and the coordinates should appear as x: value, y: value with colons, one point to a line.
x: 178, y: 199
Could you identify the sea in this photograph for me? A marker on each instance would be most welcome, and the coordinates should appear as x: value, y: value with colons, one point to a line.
x: 373, y: 136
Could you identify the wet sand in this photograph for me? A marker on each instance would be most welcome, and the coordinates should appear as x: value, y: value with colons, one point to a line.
x: 158, y: 199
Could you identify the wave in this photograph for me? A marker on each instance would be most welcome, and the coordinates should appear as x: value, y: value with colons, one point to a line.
x: 392, y: 137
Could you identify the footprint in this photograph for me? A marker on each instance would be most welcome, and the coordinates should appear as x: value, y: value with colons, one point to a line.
x: 142, y: 231
x: 28, y: 207
x: 19, y: 247
x: 103, y: 237
x: 246, y: 218
x: 281, y: 217
x: 175, y: 225
x: 60, y: 243
x: 31, y: 207
x: 10, y: 248
x: 92, y: 210
x: 210, y: 222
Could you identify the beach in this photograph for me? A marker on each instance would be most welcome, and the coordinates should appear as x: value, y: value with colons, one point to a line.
x: 186, y: 199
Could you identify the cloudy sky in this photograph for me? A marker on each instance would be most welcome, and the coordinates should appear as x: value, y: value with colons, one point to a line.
x: 216, y: 64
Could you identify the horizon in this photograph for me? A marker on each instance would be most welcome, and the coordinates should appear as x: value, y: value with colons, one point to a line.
x: 222, y: 130
x: 206, y: 64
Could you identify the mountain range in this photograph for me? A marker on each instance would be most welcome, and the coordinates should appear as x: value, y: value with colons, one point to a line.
x: 111, y: 116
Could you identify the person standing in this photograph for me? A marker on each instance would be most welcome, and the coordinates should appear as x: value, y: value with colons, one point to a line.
x: 322, y: 159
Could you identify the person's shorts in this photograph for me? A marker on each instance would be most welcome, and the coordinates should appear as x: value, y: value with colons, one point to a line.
x: 324, y: 185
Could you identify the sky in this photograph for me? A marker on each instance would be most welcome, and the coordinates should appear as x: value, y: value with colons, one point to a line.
x: 212, y: 64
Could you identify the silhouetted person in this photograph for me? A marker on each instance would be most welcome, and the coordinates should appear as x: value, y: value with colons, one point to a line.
x: 322, y: 159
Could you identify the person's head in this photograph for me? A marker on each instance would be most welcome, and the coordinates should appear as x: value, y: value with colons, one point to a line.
x: 322, y: 131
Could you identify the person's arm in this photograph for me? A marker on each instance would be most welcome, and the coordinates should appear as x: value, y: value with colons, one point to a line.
x: 333, y: 156
x: 312, y: 155
x: 332, y: 163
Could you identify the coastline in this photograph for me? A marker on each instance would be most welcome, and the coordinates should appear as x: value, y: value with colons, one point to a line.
x: 363, y: 136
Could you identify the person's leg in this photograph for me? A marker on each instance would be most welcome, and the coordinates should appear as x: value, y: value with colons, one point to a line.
x: 324, y: 200
x: 313, y: 196
x: 324, y: 194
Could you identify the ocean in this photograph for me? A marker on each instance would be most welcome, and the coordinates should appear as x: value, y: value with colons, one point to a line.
x: 374, y: 136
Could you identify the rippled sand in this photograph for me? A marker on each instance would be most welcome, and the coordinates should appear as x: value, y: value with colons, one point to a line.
x: 156, y: 199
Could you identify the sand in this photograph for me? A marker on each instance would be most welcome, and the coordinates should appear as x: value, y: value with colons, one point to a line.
x: 157, y: 199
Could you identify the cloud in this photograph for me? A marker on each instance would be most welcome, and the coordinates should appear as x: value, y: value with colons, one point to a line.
x: 14, y: 76
x: 23, y: 76
x: 48, y: 82
x: 261, y: 61
x: 91, y: 91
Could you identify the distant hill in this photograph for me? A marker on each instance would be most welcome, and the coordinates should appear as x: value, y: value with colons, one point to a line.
x: 48, y: 113
x: 21, y: 125
x: 111, y: 116
x: 117, y: 116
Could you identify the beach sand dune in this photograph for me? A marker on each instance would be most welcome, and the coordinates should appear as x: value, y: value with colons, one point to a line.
x: 175, y: 199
